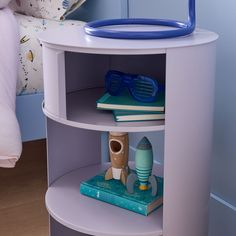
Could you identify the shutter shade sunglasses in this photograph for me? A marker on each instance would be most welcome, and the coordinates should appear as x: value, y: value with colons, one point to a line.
x: 142, y: 88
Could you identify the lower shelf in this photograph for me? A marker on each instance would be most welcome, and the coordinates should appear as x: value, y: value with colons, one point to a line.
x: 75, y: 211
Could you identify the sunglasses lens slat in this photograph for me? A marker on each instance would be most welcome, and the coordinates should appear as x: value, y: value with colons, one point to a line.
x: 142, y: 81
x: 143, y: 88
x: 143, y: 85
x: 142, y: 94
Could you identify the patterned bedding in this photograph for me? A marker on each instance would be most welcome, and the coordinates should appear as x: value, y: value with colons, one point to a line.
x: 30, y: 72
x: 46, y: 9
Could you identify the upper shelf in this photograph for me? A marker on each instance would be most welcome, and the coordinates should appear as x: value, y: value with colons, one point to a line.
x: 82, y: 113
x: 74, y: 39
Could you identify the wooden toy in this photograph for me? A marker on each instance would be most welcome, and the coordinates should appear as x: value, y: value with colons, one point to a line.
x: 119, y: 151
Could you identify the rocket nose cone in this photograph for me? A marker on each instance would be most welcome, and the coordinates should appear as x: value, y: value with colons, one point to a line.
x: 144, y: 144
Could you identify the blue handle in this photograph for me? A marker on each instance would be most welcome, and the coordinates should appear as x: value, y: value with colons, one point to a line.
x: 183, y: 28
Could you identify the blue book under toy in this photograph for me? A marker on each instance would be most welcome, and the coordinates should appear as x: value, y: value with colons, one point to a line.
x: 114, y: 192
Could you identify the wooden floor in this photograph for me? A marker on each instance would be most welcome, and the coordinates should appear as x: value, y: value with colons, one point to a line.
x: 22, y: 190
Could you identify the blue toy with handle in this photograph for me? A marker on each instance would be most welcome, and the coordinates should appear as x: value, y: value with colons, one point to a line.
x: 182, y: 28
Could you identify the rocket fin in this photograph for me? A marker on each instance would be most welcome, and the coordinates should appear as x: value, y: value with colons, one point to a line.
x: 130, y: 182
x: 109, y: 174
x: 153, y: 183
x: 124, y: 176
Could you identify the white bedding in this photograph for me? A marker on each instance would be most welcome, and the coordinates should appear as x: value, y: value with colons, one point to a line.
x: 10, y: 139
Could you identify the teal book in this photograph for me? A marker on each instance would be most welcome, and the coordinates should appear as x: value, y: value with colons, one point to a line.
x: 126, y: 102
x: 125, y: 115
x: 114, y: 192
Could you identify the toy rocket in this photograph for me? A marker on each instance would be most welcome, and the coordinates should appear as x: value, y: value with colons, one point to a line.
x: 143, y: 166
x: 119, y: 151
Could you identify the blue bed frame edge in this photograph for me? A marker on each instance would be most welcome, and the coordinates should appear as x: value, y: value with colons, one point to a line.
x: 30, y: 116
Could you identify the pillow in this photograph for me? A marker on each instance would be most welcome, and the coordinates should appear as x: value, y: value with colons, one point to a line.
x: 30, y: 76
x: 47, y: 9
x: 4, y: 3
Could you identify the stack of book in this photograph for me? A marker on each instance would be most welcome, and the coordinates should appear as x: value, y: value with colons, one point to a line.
x: 115, y: 193
x: 126, y: 108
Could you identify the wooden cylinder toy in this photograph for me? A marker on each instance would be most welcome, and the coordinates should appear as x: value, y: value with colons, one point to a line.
x: 119, y: 152
x: 144, y: 162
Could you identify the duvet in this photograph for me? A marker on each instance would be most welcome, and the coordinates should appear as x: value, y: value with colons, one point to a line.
x: 10, y: 139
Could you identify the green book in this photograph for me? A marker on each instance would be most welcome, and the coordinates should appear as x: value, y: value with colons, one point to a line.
x: 125, y: 115
x: 126, y: 102
x: 114, y: 192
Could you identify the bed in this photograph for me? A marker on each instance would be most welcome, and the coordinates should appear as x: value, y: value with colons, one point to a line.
x: 38, y: 16
x: 34, y: 17
x: 30, y: 76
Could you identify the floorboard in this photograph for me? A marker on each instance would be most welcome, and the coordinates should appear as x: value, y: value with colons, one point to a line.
x: 22, y: 191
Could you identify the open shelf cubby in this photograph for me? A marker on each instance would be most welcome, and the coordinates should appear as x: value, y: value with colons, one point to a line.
x: 85, y: 73
x: 75, y: 65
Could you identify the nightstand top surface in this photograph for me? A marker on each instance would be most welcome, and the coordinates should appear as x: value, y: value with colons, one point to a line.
x: 74, y: 38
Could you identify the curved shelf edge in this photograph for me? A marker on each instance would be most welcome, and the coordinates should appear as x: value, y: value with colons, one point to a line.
x: 75, y: 211
x: 75, y: 39
x: 85, y: 116
x: 103, y: 128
